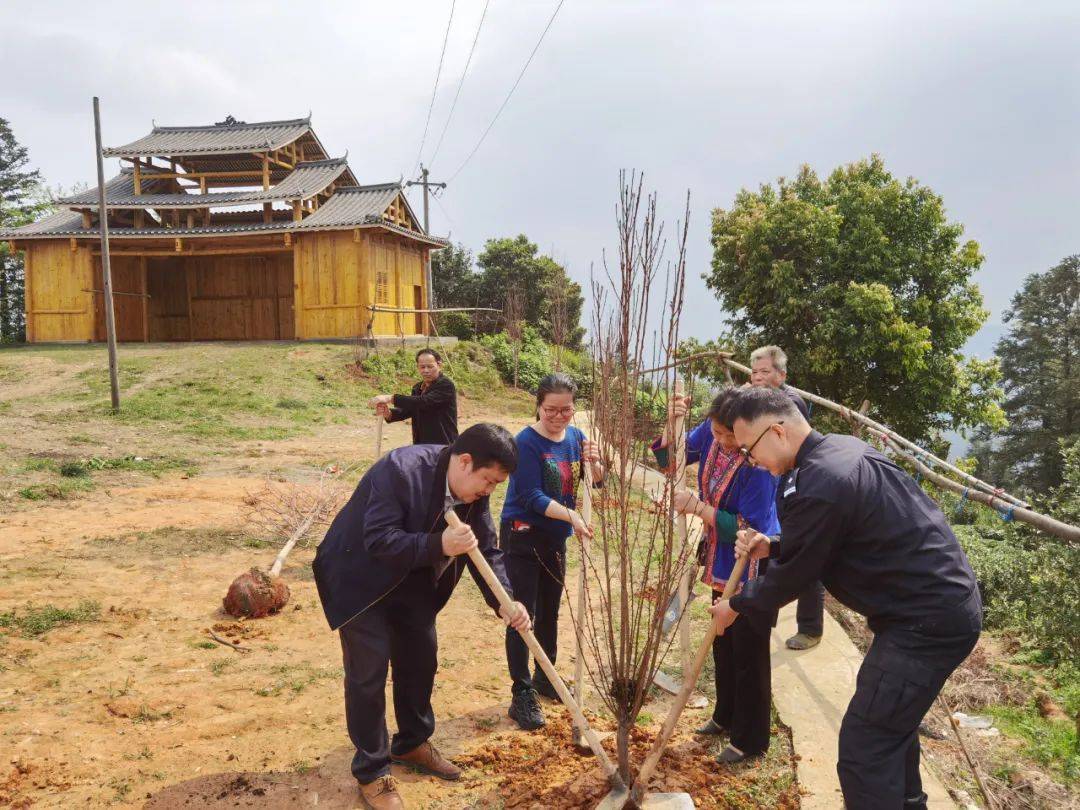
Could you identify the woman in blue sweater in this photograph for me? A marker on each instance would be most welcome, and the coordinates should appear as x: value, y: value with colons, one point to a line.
x: 733, y: 495
x: 539, y: 514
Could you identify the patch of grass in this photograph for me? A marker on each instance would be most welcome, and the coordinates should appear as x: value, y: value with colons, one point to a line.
x: 302, y: 766
x: 121, y: 786
x: 219, y: 666
x: 36, y: 620
x: 147, y: 715
x: 173, y: 541
x: 1051, y: 743
x: 291, y: 404
x: 296, y: 678
x: 119, y: 691
x: 204, y: 645
x: 56, y: 492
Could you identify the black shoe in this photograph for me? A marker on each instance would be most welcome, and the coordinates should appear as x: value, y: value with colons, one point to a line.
x: 543, y: 687
x: 525, y: 711
x: 729, y: 756
x: 711, y: 729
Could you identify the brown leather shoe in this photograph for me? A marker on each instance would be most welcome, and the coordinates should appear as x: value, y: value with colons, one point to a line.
x: 427, y: 759
x: 381, y: 794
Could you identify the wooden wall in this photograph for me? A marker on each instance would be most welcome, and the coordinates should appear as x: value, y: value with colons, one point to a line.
x: 58, y: 308
x: 319, y: 289
x: 339, y: 273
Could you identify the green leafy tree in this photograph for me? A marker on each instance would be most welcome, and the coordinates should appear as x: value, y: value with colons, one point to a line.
x: 1039, y: 361
x: 454, y: 278
x: 867, y: 287
x: 21, y: 201
x: 515, y: 263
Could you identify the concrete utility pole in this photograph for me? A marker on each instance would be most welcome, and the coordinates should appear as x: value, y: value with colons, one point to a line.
x: 106, y: 267
x: 428, y: 185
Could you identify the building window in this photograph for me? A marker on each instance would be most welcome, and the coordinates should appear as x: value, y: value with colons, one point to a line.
x: 382, y: 287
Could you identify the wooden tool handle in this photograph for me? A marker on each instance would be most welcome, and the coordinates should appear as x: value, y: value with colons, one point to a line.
x: 554, y: 679
x: 379, y: 423
x: 689, y: 682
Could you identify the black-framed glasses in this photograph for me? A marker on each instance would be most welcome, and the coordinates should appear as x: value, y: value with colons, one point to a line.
x: 747, y: 452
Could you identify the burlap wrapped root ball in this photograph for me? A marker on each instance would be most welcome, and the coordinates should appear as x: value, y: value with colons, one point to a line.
x: 255, y: 594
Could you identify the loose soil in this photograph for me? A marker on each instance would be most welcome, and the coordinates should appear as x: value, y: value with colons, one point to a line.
x: 142, y: 708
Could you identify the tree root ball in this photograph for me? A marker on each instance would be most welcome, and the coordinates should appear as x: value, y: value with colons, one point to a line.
x: 255, y: 594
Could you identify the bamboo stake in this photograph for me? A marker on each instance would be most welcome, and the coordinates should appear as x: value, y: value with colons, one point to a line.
x: 689, y: 681
x: 541, y: 658
x: 855, y: 416
x: 991, y: 803
x: 679, y: 438
x: 1071, y: 534
x: 579, y: 635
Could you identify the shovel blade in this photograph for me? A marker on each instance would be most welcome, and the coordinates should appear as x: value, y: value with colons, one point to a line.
x: 617, y: 799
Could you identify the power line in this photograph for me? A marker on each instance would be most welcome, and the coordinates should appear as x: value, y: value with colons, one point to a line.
x: 508, y: 95
x: 435, y: 89
x: 461, y: 83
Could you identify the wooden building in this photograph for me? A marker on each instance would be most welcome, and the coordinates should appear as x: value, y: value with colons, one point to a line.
x: 233, y: 231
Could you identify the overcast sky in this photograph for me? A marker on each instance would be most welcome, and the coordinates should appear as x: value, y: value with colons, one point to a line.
x: 978, y: 100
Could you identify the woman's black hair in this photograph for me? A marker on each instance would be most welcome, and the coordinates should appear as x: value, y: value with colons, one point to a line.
x: 554, y: 384
x: 432, y: 352
x: 720, y: 410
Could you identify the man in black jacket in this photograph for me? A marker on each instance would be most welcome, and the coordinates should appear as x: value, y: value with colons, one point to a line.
x: 432, y: 406
x: 387, y: 565
x: 853, y: 519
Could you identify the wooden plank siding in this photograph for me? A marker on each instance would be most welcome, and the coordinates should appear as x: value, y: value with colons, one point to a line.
x: 57, y: 308
x: 321, y: 288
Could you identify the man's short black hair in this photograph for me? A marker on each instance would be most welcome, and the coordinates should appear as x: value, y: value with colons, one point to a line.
x: 720, y: 408
x: 432, y: 352
x: 753, y: 403
x: 489, y: 445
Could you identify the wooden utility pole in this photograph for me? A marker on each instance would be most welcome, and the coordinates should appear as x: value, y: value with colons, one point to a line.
x: 428, y: 185
x: 106, y: 267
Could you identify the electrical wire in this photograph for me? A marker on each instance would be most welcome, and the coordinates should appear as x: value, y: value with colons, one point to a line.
x: 461, y: 84
x: 511, y: 93
x: 435, y: 89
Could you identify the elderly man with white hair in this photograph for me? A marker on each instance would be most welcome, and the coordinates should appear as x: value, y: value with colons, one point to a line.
x: 768, y: 369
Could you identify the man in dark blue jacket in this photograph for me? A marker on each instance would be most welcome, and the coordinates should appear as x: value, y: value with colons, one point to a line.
x: 854, y: 520
x: 387, y: 566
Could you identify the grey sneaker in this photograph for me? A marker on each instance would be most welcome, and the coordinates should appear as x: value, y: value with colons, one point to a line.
x: 802, y: 641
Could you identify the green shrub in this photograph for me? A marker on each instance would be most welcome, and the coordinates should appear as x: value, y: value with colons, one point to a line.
x: 456, y: 324
x: 1031, y: 582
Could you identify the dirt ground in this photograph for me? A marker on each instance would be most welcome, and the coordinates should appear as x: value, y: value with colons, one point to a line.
x: 140, y: 708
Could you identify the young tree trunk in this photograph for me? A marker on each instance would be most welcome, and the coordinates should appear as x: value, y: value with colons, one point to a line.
x: 6, y: 321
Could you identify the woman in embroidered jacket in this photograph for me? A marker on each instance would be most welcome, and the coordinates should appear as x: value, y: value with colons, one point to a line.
x: 733, y: 495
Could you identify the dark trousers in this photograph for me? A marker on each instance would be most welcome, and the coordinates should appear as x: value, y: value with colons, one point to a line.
x: 900, y: 678
x: 397, y: 631
x: 743, y: 686
x: 810, y: 610
x: 536, y: 566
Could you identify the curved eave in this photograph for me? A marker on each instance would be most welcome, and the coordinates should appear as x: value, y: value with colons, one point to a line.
x: 245, y: 229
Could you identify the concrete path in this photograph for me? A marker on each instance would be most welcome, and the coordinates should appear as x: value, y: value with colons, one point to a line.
x: 811, y: 691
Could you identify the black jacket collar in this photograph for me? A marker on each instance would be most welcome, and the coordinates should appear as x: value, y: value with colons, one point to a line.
x: 808, y: 445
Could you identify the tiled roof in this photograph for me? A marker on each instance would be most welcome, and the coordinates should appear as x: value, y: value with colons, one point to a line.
x: 216, y: 139
x: 306, y: 180
x: 351, y: 207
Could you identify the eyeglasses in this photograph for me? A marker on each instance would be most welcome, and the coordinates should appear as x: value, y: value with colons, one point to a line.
x: 748, y: 452
x: 553, y: 412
